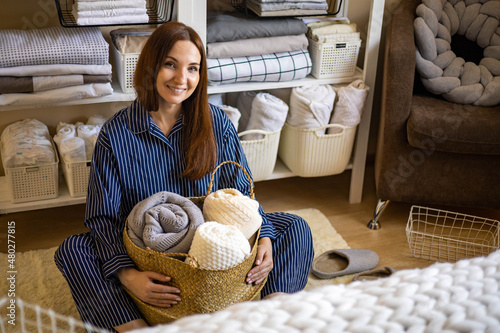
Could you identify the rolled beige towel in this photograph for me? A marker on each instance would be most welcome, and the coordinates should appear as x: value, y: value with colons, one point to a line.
x: 231, y: 207
x: 218, y: 246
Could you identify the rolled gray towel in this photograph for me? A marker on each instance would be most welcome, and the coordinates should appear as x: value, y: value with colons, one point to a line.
x: 164, y: 222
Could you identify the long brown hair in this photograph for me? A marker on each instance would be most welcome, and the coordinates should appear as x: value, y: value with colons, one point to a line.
x: 198, y: 138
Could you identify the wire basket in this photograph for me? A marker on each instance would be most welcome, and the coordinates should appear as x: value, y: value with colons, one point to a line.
x: 159, y: 11
x: 441, y: 235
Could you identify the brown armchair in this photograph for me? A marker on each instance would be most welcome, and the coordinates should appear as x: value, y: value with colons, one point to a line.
x: 430, y: 151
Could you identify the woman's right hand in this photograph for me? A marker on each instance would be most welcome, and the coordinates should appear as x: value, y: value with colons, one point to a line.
x: 149, y: 287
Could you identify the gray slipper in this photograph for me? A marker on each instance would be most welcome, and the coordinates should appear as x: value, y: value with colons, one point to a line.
x: 340, y: 262
x: 374, y: 274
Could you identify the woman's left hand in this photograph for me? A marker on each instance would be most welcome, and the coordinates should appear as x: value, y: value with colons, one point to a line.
x: 263, y: 262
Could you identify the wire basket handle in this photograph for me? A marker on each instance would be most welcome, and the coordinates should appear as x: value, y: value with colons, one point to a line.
x: 252, y: 194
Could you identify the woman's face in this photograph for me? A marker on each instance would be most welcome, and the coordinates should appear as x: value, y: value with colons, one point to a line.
x: 179, y: 74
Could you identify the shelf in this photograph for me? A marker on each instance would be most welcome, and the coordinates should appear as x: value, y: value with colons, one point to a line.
x: 119, y: 96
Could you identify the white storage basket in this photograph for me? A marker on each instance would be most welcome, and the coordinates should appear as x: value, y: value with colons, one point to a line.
x: 262, y: 153
x: 333, y: 59
x: 76, y: 175
x: 125, y: 64
x: 435, y: 234
x: 308, y: 153
x: 33, y: 183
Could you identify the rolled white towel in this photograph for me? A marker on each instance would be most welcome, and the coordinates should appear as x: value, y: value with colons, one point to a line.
x: 350, y: 106
x: 61, y: 125
x: 65, y: 131
x: 218, y: 246
x: 231, y: 207
x: 268, y: 114
x: 87, y: 132
x: 244, y: 105
x: 233, y: 113
x: 311, y: 106
x: 97, y: 119
x: 73, y: 150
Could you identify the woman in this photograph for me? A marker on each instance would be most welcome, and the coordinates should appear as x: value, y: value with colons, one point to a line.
x: 168, y: 139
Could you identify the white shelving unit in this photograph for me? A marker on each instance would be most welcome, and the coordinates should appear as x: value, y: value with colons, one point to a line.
x: 193, y: 13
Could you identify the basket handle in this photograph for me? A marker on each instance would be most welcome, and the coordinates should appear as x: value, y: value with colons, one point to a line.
x: 342, y: 127
x: 252, y: 194
x: 254, y: 131
x: 151, y: 251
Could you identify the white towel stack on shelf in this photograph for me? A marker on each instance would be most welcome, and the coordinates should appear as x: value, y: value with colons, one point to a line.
x: 333, y: 31
x: 76, y: 142
x: 52, y: 65
x: 108, y: 12
x: 288, y: 7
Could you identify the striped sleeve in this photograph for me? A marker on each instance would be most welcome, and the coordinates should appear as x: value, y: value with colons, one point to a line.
x: 102, y: 211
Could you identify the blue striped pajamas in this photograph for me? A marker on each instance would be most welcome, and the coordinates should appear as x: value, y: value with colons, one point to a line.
x: 134, y: 160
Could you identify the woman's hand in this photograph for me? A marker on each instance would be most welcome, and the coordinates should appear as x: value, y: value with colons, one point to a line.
x: 263, y: 262
x: 149, y: 287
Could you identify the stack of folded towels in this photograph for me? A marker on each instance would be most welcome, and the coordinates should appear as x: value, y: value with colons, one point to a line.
x: 217, y: 238
x: 243, y: 49
x: 109, y: 12
x: 333, y: 31
x: 53, y: 65
x: 288, y: 7
x: 26, y: 143
x: 76, y: 142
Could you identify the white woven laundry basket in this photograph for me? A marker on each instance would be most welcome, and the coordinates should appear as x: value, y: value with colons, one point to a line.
x: 262, y: 153
x: 125, y: 64
x: 308, y: 153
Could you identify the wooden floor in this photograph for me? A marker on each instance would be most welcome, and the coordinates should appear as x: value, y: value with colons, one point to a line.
x: 49, y: 227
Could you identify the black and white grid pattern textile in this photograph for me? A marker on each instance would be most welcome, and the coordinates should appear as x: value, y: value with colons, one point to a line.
x: 54, y: 45
x: 274, y: 67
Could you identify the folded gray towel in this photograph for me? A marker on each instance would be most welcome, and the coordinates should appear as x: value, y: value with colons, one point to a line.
x: 164, y: 222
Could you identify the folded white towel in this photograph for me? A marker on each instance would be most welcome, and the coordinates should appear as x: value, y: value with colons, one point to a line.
x: 218, y: 246
x: 350, y: 106
x: 268, y: 114
x: 96, y: 119
x: 64, y: 131
x: 108, y: 12
x: 231, y: 207
x: 88, y: 133
x: 311, y: 106
x: 73, y: 150
x: 98, y: 5
x: 233, y: 114
x: 122, y: 19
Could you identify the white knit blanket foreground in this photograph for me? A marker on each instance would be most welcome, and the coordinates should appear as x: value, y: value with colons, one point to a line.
x: 445, y: 297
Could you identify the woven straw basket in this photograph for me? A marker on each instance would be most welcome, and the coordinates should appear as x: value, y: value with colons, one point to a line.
x: 202, y: 290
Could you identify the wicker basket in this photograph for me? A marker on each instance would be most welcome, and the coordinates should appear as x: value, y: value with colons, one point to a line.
x: 202, y: 290
x: 435, y: 234
x: 125, y: 64
x: 310, y: 154
x: 76, y: 175
x: 262, y: 153
x: 331, y: 60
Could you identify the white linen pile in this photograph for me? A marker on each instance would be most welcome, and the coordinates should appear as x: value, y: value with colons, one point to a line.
x: 350, y: 105
x: 52, y: 65
x: 26, y: 143
x: 260, y: 111
x: 243, y: 49
x: 76, y: 142
x: 288, y: 7
x: 164, y: 222
x: 311, y: 106
x: 109, y: 12
x: 333, y: 31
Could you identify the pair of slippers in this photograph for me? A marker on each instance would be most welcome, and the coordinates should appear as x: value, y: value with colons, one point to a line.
x: 341, y: 262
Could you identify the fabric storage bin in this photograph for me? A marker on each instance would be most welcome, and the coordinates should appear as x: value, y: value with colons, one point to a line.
x: 333, y: 59
x: 262, y: 153
x: 308, y: 153
x: 125, y: 67
x: 441, y: 235
x: 32, y: 183
x: 76, y: 175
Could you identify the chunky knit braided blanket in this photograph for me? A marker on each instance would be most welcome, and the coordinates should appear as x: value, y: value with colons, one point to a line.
x: 445, y: 297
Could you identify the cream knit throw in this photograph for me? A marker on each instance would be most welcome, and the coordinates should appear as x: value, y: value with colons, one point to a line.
x: 231, y: 207
x: 218, y: 246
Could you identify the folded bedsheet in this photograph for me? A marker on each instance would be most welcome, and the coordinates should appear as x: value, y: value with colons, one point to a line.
x: 273, y: 6
x: 257, y: 46
x: 54, y: 45
x: 26, y: 84
x: 56, y: 69
x: 228, y: 26
x: 274, y: 67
